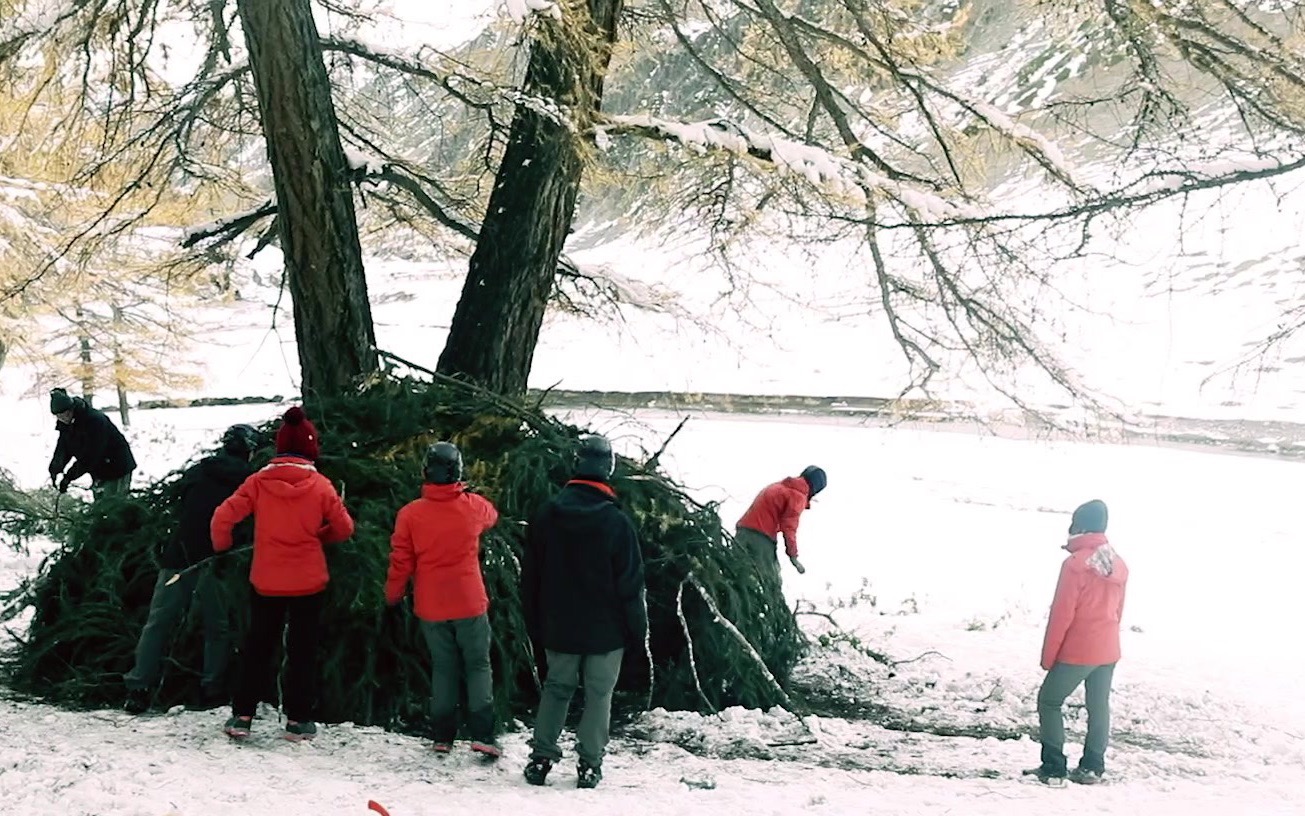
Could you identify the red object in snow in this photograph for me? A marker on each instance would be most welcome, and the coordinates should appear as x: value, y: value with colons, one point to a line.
x: 376, y: 806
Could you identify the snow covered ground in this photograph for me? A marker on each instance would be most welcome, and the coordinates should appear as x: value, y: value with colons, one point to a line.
x: 957, y: 536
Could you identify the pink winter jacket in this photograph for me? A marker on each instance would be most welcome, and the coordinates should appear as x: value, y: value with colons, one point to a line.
x: 1083, y: 629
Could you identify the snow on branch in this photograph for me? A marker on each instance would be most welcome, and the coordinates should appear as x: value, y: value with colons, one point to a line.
x: 521, y: 10
x: 474, y: 91
x: 33, y: 20
x: 837, y: 176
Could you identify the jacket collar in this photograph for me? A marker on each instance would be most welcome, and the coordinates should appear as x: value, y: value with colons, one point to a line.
x: 1086, y: 541
x: 442, y: 492
x: 602, y: 487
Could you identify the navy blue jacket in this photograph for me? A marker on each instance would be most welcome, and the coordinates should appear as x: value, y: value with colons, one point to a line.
x: 582, y: 583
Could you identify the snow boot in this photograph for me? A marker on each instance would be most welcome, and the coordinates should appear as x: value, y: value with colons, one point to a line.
x: 537, y: 770
x: 238, y: 727
x: 587, y: 776
x: 138, y: 701
x: 300, y: 731
x: 441, y: 747
x: 1085, y: 776
x: 488, y: 749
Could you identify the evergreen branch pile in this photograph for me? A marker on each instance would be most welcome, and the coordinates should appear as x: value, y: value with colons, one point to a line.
x: 91, y: 595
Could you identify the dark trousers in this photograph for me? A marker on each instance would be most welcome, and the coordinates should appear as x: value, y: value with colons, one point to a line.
x: 167, y: 608
x: 459, y: 649
x: 268, y: 619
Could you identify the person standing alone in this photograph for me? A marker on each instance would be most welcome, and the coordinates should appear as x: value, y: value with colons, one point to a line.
x: 1081, y: 646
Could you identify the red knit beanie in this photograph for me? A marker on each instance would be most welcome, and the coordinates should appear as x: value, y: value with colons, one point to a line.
x: 297, y: 435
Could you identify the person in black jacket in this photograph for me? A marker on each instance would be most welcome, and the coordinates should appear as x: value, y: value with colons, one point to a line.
x: 582, y: 592
x: 94, y: 445
x: 185, y: 556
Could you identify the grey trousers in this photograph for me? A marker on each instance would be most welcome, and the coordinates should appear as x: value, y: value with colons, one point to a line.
x: 112, y: 487
x: 460, y: 649
x: 600, y: 675
x: 1060, y: 682
x: 763, y: 550
x: 167, y: 607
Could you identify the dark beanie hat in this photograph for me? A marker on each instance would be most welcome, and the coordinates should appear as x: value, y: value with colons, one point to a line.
x: 816, y: 479
x: 60, y: 401
x: 297, y: 435
x: 1089, y: 518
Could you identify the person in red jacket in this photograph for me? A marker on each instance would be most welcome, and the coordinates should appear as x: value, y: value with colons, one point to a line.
x: 775, y: 510
x: 1081, y: 646
x: 296, y: 511
x: 436, y: 545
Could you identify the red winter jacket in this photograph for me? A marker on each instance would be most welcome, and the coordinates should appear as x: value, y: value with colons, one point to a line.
x: 776, y: 510
x: 1083, y: 629
x: 436, y: 542
x: 296, y: 510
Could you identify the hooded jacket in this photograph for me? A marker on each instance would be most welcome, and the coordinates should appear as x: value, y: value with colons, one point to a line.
x: 582, y: 582
x: 436, y: 543
x: 1083, y: 628
x: 296, y: 511
x: 777, y: 509
x: 203, y: 488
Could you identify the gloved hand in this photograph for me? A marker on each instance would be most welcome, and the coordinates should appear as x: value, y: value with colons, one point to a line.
x: 63, y: 484
x: 54, y: 479
x: 797, y: 565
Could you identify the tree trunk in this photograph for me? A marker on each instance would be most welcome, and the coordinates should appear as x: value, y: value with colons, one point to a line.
x: 119, y: 375
x: 86, y: 368
x: 317, y: 225
x: 496, y: 324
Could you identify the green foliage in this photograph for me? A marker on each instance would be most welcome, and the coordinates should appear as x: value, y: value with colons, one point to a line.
x: 91, y: 595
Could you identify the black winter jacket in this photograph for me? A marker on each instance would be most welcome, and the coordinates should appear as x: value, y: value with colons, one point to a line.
x: 582, y: 584
x: 94, y: 445
x: 203, y: 487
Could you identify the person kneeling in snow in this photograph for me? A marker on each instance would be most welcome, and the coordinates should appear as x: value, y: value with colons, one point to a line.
x: 777, y: 509
x: 185, y: 573
x: 582, y: 595
x: 1081, y: 646
x: 296, y: 512
x: 436, y: 544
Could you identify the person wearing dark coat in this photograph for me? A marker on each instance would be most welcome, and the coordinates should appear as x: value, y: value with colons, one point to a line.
x: 583, y: 597
x: 186, y: 574
x: 92, y: 443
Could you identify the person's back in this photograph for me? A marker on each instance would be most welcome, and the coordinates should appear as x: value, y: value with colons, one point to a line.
x: 1089, y: 607
x: 445, y: 526
x: 204, y: 486
x: 587, y: 577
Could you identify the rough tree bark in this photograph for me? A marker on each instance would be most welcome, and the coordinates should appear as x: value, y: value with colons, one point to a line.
x: 317, y: 224
x: 496, y: 324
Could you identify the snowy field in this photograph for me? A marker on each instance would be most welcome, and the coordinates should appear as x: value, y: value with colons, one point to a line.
x: 955, y: 537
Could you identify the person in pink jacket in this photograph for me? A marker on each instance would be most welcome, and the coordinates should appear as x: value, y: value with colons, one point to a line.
x: 1081, y: 646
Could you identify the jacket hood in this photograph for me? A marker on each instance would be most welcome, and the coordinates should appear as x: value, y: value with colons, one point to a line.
x: 1096, y: 551
x: 443, y: 492
x: 288, y: 477
x: 798, y: 484
x: 225, y: 469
